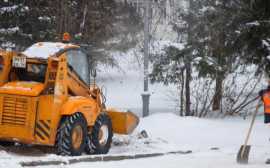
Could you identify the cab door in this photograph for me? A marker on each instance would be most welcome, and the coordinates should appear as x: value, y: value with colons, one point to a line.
x: 78, y: 66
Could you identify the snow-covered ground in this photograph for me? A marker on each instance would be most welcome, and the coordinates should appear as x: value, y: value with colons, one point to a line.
x: 214, y: 144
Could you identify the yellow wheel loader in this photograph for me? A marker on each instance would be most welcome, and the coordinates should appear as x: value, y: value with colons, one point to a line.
x: 46, y: 98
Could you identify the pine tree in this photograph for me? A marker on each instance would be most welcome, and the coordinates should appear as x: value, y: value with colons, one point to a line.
x: 254, y: 36
x: 90, y: 22
x: 210, y: 29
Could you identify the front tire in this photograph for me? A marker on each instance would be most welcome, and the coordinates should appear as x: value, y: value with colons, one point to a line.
x: 71, y: 135
x: 100, y: 139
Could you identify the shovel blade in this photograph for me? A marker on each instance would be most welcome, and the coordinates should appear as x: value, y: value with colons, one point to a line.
x: 244, y: 159
x: 123, y: 122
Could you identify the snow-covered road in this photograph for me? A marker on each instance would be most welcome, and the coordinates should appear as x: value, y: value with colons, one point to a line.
x: 214, y: 144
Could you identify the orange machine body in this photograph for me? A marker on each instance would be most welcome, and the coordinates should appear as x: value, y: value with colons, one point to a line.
x: 30, y: 111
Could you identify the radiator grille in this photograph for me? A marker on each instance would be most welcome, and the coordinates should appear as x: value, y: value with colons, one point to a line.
x: 14, y: 111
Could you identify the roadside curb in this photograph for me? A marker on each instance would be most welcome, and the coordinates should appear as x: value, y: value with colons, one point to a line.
x: 103, y: 158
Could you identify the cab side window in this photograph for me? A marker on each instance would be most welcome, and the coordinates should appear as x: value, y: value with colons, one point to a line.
x: 79, y: 63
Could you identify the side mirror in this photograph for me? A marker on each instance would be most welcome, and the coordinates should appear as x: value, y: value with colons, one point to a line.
x: 94, y: 72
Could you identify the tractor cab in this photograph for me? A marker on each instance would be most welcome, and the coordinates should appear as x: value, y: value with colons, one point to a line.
x: 36, y: 62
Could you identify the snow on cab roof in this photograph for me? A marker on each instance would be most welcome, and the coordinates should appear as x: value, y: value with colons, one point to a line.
x: 44, y: 49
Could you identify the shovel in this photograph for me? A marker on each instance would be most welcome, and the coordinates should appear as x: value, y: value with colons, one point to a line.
x: 242, y: 157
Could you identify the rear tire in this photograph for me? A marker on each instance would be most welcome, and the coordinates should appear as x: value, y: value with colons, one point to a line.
x: 71, y: 135
x: 100, y: 139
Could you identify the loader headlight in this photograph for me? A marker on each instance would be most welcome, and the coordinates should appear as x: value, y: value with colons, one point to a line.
x: 54, y: 63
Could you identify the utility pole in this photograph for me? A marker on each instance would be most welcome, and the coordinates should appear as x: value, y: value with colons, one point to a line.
x: 145, y: 95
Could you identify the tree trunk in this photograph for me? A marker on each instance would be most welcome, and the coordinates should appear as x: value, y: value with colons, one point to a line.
x: 218, y: 92
x: 58, y: 20
x: 182, y: 94
x: 61, y: 19
x: 251, y: 4
x: 188, y: 68
x: 213, y: 3
x: 220, y: 76
x: 101, y: 4
x: 33, y: 17
x: 55, y: 8
x: 218, y: 51
x: 86, y: 29
x: 191, y: 4
x: 65, y: 16
x: 188, y: 78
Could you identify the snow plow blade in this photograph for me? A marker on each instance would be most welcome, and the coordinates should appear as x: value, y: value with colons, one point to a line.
x: 123, y: 122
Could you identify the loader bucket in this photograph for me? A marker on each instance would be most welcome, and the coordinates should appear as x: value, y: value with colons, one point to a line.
x: 123, y: 122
